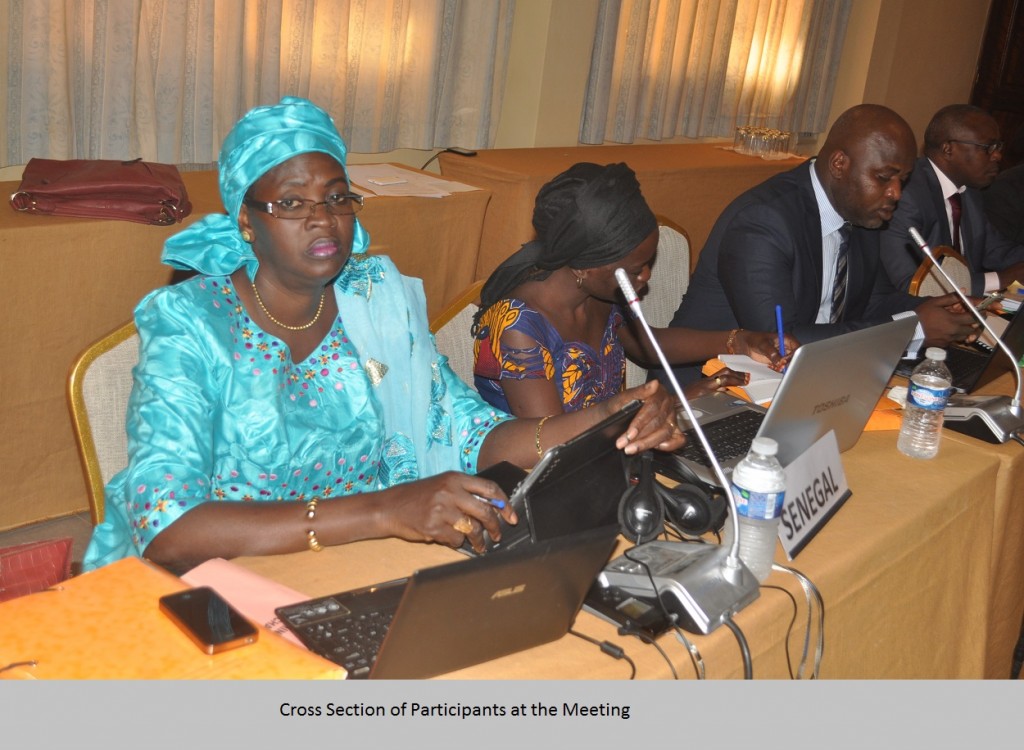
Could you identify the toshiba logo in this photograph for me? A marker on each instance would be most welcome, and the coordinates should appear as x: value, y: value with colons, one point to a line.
x: 501, y: 593
x: 826, y: 405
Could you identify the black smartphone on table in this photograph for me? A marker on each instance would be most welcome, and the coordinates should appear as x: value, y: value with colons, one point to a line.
x: 206, y: 617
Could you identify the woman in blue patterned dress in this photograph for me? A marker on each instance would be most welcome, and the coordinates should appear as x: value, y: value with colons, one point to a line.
x: 290, y: 396
x: 551, y: 334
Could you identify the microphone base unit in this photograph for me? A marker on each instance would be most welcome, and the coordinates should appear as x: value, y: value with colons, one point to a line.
x: 691, y: 579
x: 988, y: 418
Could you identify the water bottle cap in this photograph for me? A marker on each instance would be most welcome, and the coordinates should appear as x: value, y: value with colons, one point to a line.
x: 934, y: 352
x: 766, y: 446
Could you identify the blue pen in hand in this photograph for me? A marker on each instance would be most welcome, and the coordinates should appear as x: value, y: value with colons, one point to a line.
x: 782, y: 338
x: 492, y: 501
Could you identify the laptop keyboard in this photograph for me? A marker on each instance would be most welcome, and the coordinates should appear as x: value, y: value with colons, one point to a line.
x: 965, y: 364
x: 345, y: 629
x: 729, y: 437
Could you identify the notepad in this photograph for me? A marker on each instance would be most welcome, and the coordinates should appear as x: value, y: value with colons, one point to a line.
x: 764, y: 381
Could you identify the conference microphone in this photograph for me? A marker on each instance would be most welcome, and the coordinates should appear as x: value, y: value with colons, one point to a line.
x: 708, y: 582
x: 995, y: 419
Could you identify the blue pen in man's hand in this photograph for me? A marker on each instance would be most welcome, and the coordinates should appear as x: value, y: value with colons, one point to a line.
x: 782, y: 337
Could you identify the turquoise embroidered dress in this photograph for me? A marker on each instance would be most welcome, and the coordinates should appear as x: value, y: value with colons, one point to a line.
x: 220, y: 413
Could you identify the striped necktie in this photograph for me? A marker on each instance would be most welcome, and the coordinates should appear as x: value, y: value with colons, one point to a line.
x: 839, y: 285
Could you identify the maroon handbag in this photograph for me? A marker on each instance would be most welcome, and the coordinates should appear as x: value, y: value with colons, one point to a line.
x: 140, y: 191
x: 34, y: 566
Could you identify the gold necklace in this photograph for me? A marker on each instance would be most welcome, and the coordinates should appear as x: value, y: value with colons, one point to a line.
x: 319, y: 309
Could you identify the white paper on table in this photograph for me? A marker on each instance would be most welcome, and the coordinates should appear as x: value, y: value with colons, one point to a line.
x: 764, y: 381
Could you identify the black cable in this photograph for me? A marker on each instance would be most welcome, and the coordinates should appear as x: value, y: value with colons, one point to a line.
x: 427, y: 162
x: 616, y: 652
x: 792, y: 623
x: 645, y: 638
x: 748, y: 665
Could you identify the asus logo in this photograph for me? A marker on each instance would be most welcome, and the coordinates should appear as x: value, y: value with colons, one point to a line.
x: 501, y: 593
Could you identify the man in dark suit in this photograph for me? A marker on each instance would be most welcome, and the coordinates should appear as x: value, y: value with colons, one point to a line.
x: 806, y: 240
x: 962, y: 152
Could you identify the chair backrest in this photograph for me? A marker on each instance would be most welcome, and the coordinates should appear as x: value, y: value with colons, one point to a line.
x: 927, y: 282
x: 670, y: 276
x: 451, y: 331
x: 98, y: 388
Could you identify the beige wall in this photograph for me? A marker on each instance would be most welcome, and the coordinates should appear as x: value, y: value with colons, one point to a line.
x: 912, y: 55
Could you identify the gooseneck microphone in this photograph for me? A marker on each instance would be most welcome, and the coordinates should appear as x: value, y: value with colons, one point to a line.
x: 992, y: 418
x: 703, y: 584
x: 733, y: 559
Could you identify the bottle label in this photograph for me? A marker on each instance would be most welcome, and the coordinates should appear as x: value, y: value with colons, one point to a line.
x: 932, y: 399
x: 763, y: 506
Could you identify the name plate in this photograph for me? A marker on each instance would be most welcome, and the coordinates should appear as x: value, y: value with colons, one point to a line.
x: 815, y: 489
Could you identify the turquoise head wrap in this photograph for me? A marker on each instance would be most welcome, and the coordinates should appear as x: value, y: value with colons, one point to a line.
x: 262, y: 139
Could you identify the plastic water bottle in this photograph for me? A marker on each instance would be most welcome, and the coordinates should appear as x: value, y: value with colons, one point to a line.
x: 930, y: 388
x: 759, y: 487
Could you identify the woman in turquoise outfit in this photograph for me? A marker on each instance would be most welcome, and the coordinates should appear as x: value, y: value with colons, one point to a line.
x: 290, y: 396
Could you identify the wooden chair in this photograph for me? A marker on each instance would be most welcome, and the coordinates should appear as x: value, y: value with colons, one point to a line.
x: 98, y: 387
x: 927, y: 282
x: 451, y: 331
x: 670, y: 276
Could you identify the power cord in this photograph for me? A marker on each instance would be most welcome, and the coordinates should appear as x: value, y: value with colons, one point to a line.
x: 748, y: 664
x: 645, y: 638
x: 616, y: 652
x: 449, y: 150
x: 792, y: 622
x: 812, y: 597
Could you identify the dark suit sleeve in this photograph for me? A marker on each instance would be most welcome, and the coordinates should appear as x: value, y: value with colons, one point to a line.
x: 900, y: 258
x: 1004, y: 203
x: 995, y: 251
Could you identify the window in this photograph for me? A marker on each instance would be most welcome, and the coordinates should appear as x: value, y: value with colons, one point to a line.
x: 698, y: 68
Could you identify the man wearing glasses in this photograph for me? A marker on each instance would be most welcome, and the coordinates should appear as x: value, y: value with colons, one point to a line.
x: 942, y: 199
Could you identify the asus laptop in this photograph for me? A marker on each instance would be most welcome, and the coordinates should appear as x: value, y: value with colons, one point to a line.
x: 453, y: 616
x: 833, y: 384
x: 977, y: 364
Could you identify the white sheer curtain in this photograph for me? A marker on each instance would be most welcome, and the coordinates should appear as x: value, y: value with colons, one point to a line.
x: 166, y: 79
x: 694, y: 68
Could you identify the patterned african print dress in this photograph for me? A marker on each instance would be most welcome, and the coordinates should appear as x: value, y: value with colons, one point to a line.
x: 584, y: 376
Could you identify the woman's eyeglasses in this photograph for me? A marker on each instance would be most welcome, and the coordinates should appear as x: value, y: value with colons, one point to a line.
x: 345, y: 204
x: 990, y: 148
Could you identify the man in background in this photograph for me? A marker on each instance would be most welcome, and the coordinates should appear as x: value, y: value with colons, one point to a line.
x: 943, y: 201
x: 1004, y: 198
x: 807, y: 240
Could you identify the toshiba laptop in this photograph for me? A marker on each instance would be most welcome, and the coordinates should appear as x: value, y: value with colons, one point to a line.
x: 452, y: 616
x: 833, y: 384
x: 977, y: 364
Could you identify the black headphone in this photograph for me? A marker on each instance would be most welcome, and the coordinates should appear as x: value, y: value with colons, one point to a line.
x: 692, y: 507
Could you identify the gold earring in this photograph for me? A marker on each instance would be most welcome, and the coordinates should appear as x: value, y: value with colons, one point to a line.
x: 247, y: 235
x: 579, y: 282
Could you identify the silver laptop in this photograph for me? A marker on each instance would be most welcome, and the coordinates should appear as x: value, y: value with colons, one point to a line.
x: 832, y: 384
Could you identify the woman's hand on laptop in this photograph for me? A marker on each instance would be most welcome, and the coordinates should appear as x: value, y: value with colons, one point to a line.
x: 654, y: 426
